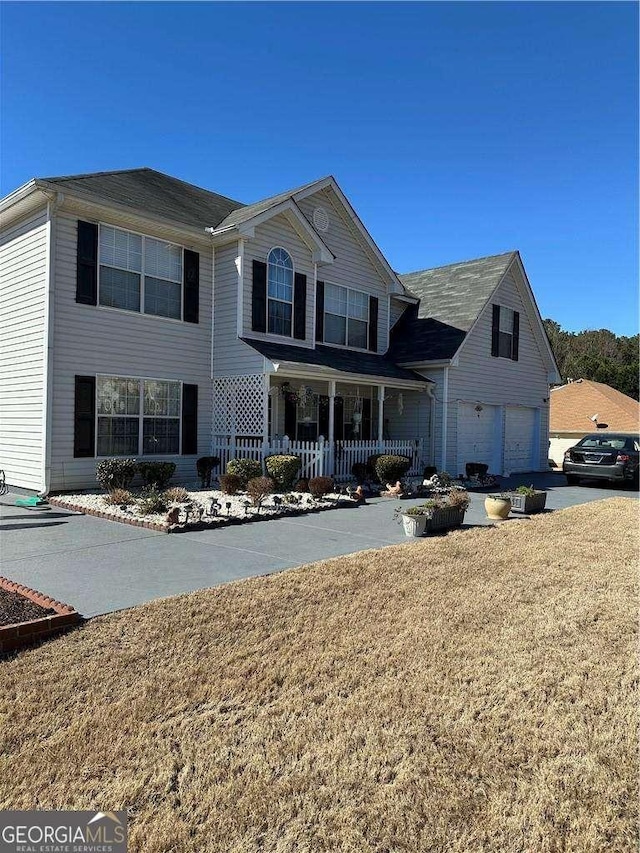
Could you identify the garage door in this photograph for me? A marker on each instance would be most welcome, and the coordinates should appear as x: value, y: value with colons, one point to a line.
x: 478, y: 436
x: 519, y: 440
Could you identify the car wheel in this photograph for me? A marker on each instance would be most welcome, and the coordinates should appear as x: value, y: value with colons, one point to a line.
x: 572, y: 479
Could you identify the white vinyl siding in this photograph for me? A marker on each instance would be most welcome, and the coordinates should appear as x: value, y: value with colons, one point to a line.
x: 91, y: 340
x: 353, y: 266
x: 23, y: 277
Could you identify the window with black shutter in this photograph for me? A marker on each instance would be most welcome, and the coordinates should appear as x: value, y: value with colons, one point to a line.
x: 505, y: 333
x: 84, y: 417
x: 87, y: 263
x: 191, y: 287
x: 189, y: 419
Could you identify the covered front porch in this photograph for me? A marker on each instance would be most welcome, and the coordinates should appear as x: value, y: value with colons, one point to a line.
x: 331, y: 423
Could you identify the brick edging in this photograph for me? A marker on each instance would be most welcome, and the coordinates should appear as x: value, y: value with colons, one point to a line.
x: 20, y: 634
x: 134, y: 522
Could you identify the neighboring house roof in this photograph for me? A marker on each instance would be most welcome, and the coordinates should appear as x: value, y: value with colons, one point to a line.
x: 146, y: 189
x: 451, y: 299
x: 344, y: 361
x: 571, y: 407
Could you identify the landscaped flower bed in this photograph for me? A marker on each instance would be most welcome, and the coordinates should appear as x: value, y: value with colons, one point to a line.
x: 206, y: 508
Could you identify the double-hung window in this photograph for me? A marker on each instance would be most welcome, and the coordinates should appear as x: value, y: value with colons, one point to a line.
x: 137, y: 416
x: 279, y: 292
x: 140, y: 273
x: 346, y: 316
x: 505, y: 346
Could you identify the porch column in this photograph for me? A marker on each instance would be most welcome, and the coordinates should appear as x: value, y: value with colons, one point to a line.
x: 381, y: 418
x: 332, y: 397
x: 265, y: 416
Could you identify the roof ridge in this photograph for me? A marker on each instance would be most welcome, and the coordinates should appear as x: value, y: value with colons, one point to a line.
x: 461, y: 263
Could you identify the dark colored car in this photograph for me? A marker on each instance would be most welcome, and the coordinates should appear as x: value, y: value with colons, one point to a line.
x: 611, y: 456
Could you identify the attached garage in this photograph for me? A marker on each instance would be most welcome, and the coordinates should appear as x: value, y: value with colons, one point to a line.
x: 520, y: 439
x: 479, y: 432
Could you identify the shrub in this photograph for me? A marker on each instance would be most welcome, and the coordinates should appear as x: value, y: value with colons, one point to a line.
x: 390, y: 468
x: 151, y: 502
x: 230, y: 484
x: 320, y: 486
x: 177, y: 495
x: 259, y: 488
x: 119, y: 497
x: 527, y: 491
x: 246, y: 469
x: 360, y: 471
x: 283, y: 468
x: 372, y: 474
x: 156, y: 474
x: 458, y: 498
x: 204, y: 467
x: 115, y: 473
x: 302, y: 485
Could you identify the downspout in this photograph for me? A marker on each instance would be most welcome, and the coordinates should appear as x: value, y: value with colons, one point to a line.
x: 432, y: 425
x: 213, y: 309
x: 445, y: 412
x: 55, y: 199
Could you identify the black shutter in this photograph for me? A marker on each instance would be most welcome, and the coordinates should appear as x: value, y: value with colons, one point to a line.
x: 515, y: 342
x: 87, y: 264
x: 319, y: 311
x: 495, y: 332
x: 373, y: 323
x: 338, y: 419
x: 84, y: 417
x: 259, y: 297
x: 299, y: 306
x: 323, y: 415
x: 189, y: 419
x: 290, y: 418
x: 191, y: 287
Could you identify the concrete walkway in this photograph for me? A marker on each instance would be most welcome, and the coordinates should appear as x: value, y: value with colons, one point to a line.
x: 99, y: 566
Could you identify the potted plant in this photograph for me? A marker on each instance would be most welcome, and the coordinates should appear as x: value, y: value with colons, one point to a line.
x: 498, y: 506
x: 439, y: 513
x: 528, y: 500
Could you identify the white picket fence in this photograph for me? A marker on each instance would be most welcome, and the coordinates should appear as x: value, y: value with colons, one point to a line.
x: 319, y: 458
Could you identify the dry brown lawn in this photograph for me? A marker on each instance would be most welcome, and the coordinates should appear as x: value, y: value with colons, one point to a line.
x: 468, y: 693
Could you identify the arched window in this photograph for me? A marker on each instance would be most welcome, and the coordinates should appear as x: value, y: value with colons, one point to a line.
x: 279, y: 291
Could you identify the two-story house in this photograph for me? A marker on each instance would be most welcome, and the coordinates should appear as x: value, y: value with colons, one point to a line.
x: 146, y: 317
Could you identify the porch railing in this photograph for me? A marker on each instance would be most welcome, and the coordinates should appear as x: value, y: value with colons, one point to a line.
x: 319, y: 458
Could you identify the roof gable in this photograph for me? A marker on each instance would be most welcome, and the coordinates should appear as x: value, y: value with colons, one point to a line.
x: 572, y: 406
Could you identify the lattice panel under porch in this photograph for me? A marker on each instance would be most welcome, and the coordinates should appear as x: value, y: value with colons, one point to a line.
x: 239, y: 405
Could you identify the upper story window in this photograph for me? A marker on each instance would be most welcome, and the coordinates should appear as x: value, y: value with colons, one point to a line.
x: 505, y: 333
x: 279, y: 292
x: 139, y: 273
x: 346, y: 316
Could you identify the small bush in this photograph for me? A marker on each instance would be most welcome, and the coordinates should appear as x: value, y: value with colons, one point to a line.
x: 115, y: 473
x: 177, y: 495
x: 320, y: 486
x: 371, y: 467
x: 246, y: 469
x: 302, y: 485
x: 119, y: 497
x: 390, y: 468
x: 283, y: 468
x: 204, y: 466
x: 151, y: 502
x: 458, y: 498
x: 230, y: 484
x: 259, y: 488
x: 156, y: 474
x: 527, y: 491
x: 360, y: 471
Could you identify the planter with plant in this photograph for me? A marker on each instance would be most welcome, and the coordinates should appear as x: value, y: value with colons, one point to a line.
x: 528, y: 500
x: 498, y: 506
x: 440, y: 513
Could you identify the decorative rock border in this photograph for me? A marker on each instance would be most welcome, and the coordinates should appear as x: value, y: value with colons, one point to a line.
x: 21, y: 634
x: 85, y: 510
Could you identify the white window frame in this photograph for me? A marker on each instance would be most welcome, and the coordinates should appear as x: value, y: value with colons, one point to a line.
x: 283, y: 301
x: 142, y: 274
x: 141, y: 416
x: 503, y: 331
x: 346, y: 345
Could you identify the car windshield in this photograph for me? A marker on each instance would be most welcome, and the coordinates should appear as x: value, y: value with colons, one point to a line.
x: 604, y: 442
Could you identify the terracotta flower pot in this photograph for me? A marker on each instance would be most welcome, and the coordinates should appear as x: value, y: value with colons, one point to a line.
x: 497, y: 507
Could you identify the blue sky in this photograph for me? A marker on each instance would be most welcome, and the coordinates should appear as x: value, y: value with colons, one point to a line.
x: 456, y: 129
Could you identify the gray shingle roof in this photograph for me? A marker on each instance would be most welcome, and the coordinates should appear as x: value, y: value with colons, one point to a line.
x: 250, y: 210
x: 451, y: 298
x: 148, y: 190
x: 345, y: 361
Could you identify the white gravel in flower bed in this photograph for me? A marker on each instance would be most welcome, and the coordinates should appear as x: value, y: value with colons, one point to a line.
x: 201, y: 511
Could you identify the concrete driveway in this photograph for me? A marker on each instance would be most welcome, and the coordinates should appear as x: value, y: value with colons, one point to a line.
x: 99, y: 566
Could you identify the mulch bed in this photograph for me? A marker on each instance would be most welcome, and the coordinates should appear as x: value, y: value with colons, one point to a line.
x: 16, y: 608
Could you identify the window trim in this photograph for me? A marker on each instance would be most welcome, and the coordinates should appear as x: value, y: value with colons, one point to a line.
x: 141, y: 416
x: 346, y: 345
x: 283, y: 301
x: 503, y: 309
x: 142, y: 274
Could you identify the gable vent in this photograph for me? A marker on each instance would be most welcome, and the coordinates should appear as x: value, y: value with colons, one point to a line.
x: 321, y: 219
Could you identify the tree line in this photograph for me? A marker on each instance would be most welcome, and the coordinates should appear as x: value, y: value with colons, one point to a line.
x: 596, y: 354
